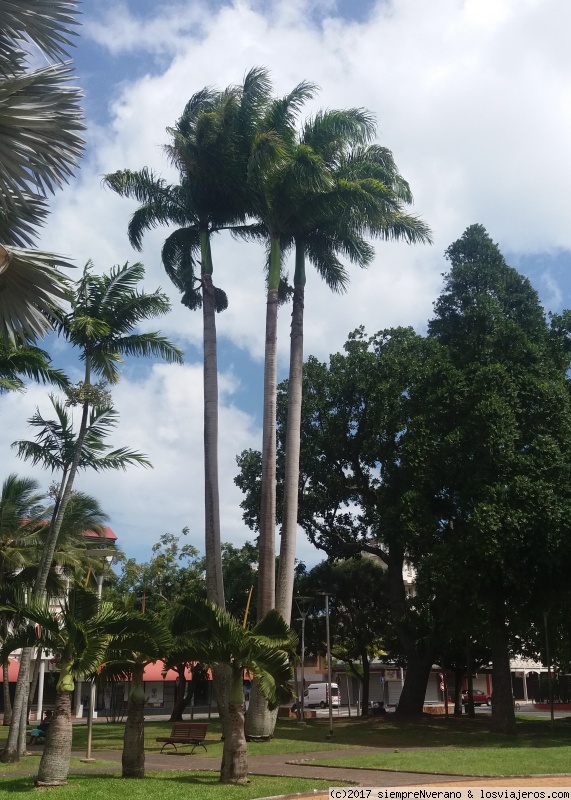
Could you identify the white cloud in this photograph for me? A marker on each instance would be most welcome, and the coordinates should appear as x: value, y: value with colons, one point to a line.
x: 472, y: 97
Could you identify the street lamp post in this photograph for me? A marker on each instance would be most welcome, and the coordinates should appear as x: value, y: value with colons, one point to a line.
x: 328, y: 642
x: 301, y: 601
x: 107, y: 558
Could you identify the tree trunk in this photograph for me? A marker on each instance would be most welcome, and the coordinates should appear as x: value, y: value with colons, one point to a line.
x: 133, y: 758
x: 212, y: 545
x: 418, y: 656
x: 286, y: 572
x: 184, y: 692
x: 503, y: 713
x: 366, y: 680
x: 260, y: 721
x: 234, y: 768
x: 16, y: 744
x: 6, y: 695
x: 458, y: 674
x: 54, y: 765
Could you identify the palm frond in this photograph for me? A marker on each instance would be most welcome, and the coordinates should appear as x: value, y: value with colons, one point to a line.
x: 47, y: 23
x: 30, y: 287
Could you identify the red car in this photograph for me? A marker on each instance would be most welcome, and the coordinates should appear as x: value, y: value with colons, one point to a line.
x: 480, y: 698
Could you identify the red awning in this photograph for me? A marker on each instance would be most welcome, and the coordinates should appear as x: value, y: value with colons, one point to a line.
x: 153, y: 672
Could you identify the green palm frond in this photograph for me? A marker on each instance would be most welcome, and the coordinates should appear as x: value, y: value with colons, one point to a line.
x: 30, y: 287
x: 25, y: 359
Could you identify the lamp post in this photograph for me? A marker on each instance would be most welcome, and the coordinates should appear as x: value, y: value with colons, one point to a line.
x: 107, y: 556
x: 328, y: 642
x: 301, y: 604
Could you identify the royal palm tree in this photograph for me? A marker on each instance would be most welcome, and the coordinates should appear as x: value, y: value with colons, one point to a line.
x: 278, y: 168
x: 217, y: 638
x: 105, y: 311
x: 82, y: 634
x: 40, y: 145
x: 367, y: 197
x: 210, y: 146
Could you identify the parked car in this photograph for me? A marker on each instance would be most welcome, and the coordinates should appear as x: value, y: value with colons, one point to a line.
x: 480, y: 698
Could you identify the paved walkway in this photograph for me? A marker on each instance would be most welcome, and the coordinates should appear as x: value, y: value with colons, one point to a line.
x: 290, y: 765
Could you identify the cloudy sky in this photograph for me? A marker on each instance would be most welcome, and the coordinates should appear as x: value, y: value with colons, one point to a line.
x: 472, y: 96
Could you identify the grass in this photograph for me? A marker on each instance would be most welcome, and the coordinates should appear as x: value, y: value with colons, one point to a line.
x: 165, y: 786
x: 485, y: 761
x: 31, y: 763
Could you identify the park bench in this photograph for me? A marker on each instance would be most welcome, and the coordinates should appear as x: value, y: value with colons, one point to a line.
x: 193, y: 733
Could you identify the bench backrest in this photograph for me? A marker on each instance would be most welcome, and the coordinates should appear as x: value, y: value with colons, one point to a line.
x: 190, y: 730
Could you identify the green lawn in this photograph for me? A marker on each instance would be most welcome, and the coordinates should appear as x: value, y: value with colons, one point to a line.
x: 164, y: 786
x: 31, y: 764
x: 477, y: 761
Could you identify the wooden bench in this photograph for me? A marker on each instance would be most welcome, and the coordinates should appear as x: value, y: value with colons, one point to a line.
x: 193, y: 733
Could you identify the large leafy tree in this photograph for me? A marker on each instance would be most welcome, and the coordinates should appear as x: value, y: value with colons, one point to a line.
x: 40, y: 145
x: 210, y: 145
x: 82, y: 635
x: 217, y: 638
x: 101, y: 323
x: 490, y: 446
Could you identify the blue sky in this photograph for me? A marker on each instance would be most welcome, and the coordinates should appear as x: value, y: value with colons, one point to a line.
x: 472, y: 97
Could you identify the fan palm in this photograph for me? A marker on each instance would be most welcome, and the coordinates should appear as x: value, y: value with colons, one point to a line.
x: 82, y: 634
x: 40, y: 144
x: 210, y: 146
x: 217, y: 638
x: 367, y: 197
x: 105, y: 311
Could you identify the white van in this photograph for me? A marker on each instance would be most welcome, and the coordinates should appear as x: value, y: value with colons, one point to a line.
x: 317, y: 694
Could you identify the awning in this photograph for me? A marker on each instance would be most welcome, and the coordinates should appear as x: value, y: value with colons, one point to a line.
x: 13, y: 670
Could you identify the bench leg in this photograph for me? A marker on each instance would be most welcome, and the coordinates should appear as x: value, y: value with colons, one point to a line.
x: 198, y: 744
x: 167, y: 744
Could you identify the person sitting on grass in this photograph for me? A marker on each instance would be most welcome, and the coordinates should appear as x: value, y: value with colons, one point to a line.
x: 42, y: 728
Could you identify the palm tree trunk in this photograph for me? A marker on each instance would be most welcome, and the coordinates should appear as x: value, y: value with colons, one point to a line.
x: 267, y: 538
x: 133, y: 758
x: 284, y: 597
x: 54, y: 765
x: 16, y: 744
x: 214, y: 580
x: 6, y: 695
x: 234, y: 767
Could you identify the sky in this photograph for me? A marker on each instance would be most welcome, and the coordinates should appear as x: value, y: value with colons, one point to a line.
x: 473, y: 97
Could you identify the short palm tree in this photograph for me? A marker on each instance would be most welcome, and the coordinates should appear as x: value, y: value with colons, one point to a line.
x: 210, y: 146
x: 105, y: 310
x: 81, y: 634
x: 217, y: 638
x: 40, y: 144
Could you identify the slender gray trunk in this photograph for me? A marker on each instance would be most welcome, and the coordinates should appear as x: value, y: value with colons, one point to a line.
x: 214, y: 579
x: 286, y: 573
x: 267, y: 538
x: 6, y: 695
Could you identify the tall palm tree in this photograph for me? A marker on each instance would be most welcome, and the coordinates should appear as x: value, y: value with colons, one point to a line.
x: 82, y: 634
x: 210, y: 146
x: 279, y: 166
x: 217, y: 638
x: 40, y: 145
x: 366, y: 198
x: 105, y: 311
